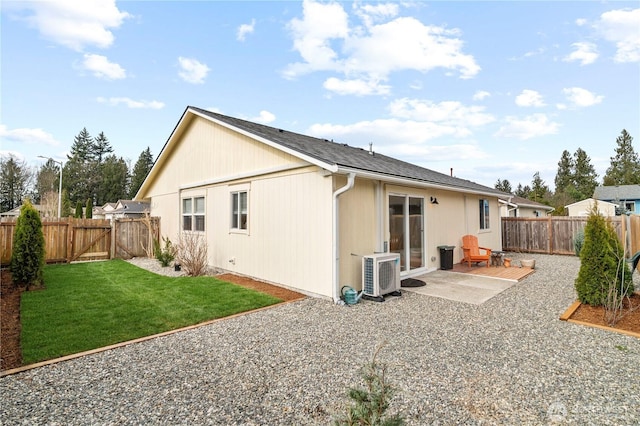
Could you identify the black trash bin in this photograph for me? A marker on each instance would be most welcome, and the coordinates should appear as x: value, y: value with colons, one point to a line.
x: 446, y: 257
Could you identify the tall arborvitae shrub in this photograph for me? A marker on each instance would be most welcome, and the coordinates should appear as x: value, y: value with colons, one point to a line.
x: 89, y: 209
x: 27, y: 258
x: 602, y: 262
x: 78, y: 214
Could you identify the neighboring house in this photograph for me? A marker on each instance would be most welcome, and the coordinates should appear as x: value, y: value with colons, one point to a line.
x: 515, y: 206
x: 300, y: 211
x: 14, y: 213
x: 582, y: 208
x: 626, y: 197
x: 100, y: 212
x: 127, y: 209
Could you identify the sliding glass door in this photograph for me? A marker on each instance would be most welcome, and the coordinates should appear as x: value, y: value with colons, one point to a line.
x: 406, y: 221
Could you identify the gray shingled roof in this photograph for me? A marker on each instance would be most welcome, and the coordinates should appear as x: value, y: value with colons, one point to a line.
x: 343, y: 155
x: 617, y: 193
x: 520, y: 201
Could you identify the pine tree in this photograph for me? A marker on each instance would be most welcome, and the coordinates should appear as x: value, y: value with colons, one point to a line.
x: 100, y: 147
x: 27, y: 257
x: 584, y: 175
x: 140, y: 171
x: 66, y: 204
x: 504, y: 186
x: 113, y: 185
x: 625, y: 165
x: 564, y: 175
x: 15, y: 180
x: 82, y: 147
x: 539, y: 190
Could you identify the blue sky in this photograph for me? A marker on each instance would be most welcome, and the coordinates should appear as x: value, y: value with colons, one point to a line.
x: 492, y: 90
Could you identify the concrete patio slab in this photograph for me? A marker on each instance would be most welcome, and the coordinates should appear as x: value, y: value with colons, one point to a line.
x: 459, y: 287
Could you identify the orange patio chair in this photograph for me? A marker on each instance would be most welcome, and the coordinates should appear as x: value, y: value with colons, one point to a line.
x: 471, y: 251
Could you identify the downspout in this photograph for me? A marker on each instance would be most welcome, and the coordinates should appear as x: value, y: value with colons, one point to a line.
x: 336, y: 235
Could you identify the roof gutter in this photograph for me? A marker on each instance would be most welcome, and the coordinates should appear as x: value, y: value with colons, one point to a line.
x: 413, y: 182
x: 351, y: 178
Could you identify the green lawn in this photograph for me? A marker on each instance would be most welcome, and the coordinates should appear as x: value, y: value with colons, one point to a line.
x: 90, y: 305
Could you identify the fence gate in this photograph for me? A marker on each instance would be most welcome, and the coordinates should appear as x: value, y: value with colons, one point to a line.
x: 89, y: 239
x: 134, y: 237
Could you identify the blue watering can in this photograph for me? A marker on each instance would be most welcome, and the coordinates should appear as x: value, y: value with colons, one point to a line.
x: 350, y: 296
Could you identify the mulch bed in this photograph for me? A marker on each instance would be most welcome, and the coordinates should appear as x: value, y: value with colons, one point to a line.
x: 595, y: 315
x: 10, y: 350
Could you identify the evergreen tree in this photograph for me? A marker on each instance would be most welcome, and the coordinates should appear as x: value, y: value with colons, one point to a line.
x: 100, y: 147
x: 89, y: 209
x: 27, y: 257
x: 78, y: 214
x: 15, y: 180
x: 140, y: 171
x: 584, y: 175
x: 539, y: 190
x: 564, y: 176
x: 602, y: 263
x: 504, y: 186
x: 113, y: 185
x: 625, y: 165
x: 82, y: 147
x: 523, y: 191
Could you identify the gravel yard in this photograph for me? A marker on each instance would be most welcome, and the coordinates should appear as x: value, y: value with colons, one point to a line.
x: 508, y: 361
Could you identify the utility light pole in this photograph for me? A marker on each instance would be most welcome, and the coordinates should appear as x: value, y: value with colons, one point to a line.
x: 59, y: 186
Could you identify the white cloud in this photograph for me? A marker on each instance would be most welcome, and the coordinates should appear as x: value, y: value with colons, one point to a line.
x: 27, y: 136
x: 326, y: 42
x: 74, y: 24
x: 622, y: 27
x: 265, y: 117
x: 585, y: 52
x: 530, y: 127
x: 450, y: 113
x: 245, y: 29
x: 130, y: 103
x: 581, y: 22
x: 580, y: 97
x: 356, y: 87
x: 529, y: 98
x: 192, y: 71
x: 101, y: 67
x: 481, y: 95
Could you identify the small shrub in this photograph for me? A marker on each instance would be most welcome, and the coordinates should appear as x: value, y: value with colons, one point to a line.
x: 78, y: 213
x: 27, y: 258
x: 191, y: 254
x: 371, y: 402
x: 89, y: 209
x: 166, y: 254
x: 578, y: 242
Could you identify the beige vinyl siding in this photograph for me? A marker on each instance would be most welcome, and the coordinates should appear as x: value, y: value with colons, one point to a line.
x: 357, y: 217
x: 289, y: 233
x: 207, y: 151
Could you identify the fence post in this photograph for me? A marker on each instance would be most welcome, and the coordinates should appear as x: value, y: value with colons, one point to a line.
x: 69, y: 239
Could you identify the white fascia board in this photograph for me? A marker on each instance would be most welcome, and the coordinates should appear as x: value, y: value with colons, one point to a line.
x: 331, y: 167
x: 411, y: 182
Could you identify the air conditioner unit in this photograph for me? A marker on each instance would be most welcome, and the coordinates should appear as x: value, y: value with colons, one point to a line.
x: 381, y: 275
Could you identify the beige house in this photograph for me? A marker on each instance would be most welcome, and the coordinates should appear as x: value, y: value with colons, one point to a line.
x: 302, y: 212
x: 515, y: 206
x: 583, y: 207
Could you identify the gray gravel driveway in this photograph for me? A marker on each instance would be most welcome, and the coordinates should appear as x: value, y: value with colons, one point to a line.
x: 508, y: 361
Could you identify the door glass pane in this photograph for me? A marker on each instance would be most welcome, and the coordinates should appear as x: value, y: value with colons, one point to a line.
x: 415, y: 233
x: 396, y: 228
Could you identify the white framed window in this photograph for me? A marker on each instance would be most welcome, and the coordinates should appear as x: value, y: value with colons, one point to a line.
x: 484, y: 214
x: 193, y: 214
x: 240, y: 210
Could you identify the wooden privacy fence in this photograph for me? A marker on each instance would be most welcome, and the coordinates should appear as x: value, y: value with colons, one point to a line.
x: 555, y: 234
x: 69, y: 239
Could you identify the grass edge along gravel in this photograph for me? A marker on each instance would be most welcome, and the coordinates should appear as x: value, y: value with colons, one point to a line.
x: 86, y: 306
